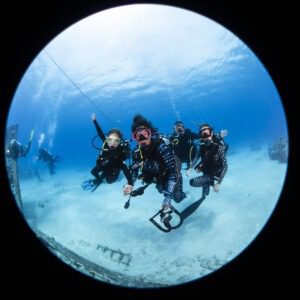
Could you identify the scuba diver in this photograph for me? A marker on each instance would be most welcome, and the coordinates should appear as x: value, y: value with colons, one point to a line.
x: 184, y: 143
x: 115, y: 150
x: 213, y: 163
x: 157, y: 163
x: 15, y: 149
x: 49, y: 158
x: 279, y: 150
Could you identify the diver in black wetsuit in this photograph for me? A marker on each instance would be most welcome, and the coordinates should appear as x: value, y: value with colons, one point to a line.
x: 15, y: 149
x: 49, y: 158
x: 111, y: 160
x: 184, y: 143
x: 156, y: 162
x: 213, y: 161
x: 279, y: 150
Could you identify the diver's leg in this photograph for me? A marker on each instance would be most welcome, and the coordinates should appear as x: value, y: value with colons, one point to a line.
x: 178, y: 194
x: 203, y: 181
x: 92, y: 184
x: 96, y: 182
x: 111, y: 178
x: 95, y: 171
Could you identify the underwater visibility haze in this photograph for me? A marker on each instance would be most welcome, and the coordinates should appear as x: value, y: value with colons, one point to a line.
x: 167, y: 64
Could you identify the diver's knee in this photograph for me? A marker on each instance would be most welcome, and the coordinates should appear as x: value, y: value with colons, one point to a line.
x: 110, y: 180
x: 196, y: 182
x: 178, y: 197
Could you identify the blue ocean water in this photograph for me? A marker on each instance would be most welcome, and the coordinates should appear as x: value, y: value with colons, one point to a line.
x: 197, y: 72
x: 244, y: 101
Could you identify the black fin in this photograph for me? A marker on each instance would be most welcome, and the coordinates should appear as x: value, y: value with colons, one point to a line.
x: 90, y: 184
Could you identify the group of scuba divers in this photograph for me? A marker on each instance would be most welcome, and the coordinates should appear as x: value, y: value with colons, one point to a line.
x: 157, y: 159
x: 15, y: 150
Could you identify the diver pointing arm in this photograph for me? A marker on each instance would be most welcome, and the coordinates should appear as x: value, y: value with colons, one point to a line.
x: 98, y: 128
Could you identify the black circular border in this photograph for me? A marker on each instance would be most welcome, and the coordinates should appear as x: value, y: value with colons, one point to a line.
x: 266, y: 266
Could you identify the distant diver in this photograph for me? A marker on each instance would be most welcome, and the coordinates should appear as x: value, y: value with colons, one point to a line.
x: 213, y: 162
x: 49, y: 158
x: 154, y: 161
x: 15, y: 149
x: 279, y: 150
x: 111, y: 160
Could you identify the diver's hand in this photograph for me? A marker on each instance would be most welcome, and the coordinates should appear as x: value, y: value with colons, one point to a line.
x: 127, y: 189
x: 217, y: 187
x: 223, y: 133
x: 93, y: 117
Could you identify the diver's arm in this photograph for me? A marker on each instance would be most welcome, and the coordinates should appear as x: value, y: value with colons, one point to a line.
x: 99, y: 130
x: 171, y: 169
x: 134, y: 171
x: 127, y: 174
x: 223, y: 159
x: 135, y: 165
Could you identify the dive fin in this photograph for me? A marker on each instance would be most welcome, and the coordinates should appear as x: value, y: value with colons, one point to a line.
x: 166, y: 216
x: 139, y: 191
x: 90, y: 184
x: 96, y: 184
x: 87, y: 185
x: 127, y: 204
x: 191, y: 208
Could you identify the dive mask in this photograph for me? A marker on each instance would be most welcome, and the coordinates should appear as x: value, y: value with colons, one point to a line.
x: 141, y: 134
x: 113, y: 141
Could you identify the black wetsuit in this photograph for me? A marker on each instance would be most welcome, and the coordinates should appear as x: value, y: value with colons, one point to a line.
x: 158, y: 163
x: 49, y: 158
x: 213, y: 163
x: 184, y: 145
x: 111, y: 161
x: 278, y: 151
x: 16, y: 149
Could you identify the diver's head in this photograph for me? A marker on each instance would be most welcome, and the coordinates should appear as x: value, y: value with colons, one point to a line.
x: 206, y: 132
x: 141, y: 130
x: 179, y: 127
x: 114, y: 138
